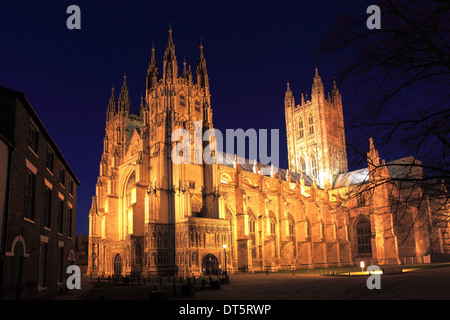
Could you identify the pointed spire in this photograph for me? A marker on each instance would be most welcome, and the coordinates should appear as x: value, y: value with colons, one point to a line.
x: 288, y: 97
x: 372, y: 156
x: 152, y: 71
x: 170, y: 60
x: 317, y: 84
x: 153, y: 59
x: 93, y: 206
x: 124, y: 97
x: 376, y: 170
x: 185, y: 74
x: 112, y: 100
x: 202, y: 73
x: 201, y: 50
x: 317, y: 78
x: 302, y: 178
x: 170, y: 40
x: 111, y: 110
x: 335, y: 95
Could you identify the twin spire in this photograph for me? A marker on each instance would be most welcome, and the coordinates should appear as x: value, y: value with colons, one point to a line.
x: 316, y: 90
x: 123, y: 102
x: 170, y: 66
x: 170, y: 73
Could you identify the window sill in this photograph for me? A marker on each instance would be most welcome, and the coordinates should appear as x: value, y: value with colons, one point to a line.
x: 32, y: 151
x: 29, y: 220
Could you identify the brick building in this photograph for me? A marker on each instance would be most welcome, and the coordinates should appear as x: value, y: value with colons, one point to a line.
x: 38, y: 192
x: 81, y: 252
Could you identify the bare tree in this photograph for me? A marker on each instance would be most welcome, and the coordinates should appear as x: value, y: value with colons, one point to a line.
x: 399, y: 77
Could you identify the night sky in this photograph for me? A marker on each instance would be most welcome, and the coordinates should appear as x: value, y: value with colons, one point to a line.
x: 251, y: 50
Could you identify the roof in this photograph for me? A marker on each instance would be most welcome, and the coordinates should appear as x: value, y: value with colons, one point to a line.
x: 351, y: 178
x: 408, y: 169
x: 131, y: 125
x: 21, y: 96
x: 227, y: 159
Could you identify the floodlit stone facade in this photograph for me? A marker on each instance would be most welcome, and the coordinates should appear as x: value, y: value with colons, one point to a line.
x: 151, y: 215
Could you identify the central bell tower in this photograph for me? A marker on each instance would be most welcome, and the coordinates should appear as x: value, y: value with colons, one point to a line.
x: 315, y: 133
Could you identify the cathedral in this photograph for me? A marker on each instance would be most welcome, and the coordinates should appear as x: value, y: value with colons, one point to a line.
x: 152, y: 216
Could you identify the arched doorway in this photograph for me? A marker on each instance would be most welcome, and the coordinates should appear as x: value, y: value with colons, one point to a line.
x: 16, y: 279
x: 118, y: 265
x: 210, y: 265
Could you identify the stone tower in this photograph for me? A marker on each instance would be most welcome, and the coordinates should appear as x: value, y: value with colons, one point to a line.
x: 315, y: 133
x: 143, y: 198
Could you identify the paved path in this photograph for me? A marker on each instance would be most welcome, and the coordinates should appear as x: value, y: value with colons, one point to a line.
x: 87, y: 285
x: 423, y: 284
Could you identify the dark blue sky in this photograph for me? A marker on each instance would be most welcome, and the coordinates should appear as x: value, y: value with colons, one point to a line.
x: 251, y: 49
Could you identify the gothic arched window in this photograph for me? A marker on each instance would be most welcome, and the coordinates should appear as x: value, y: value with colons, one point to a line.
x: 182, y: 100
x: 129, y: 189
x: 197, y: 105
x: 363, y: 236
x: 310, y: 123
x: 303, y: 165
x: 301, y: 131
x: 314, y: 167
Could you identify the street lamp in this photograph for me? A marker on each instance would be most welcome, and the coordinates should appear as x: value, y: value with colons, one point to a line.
x: 225, y: 255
